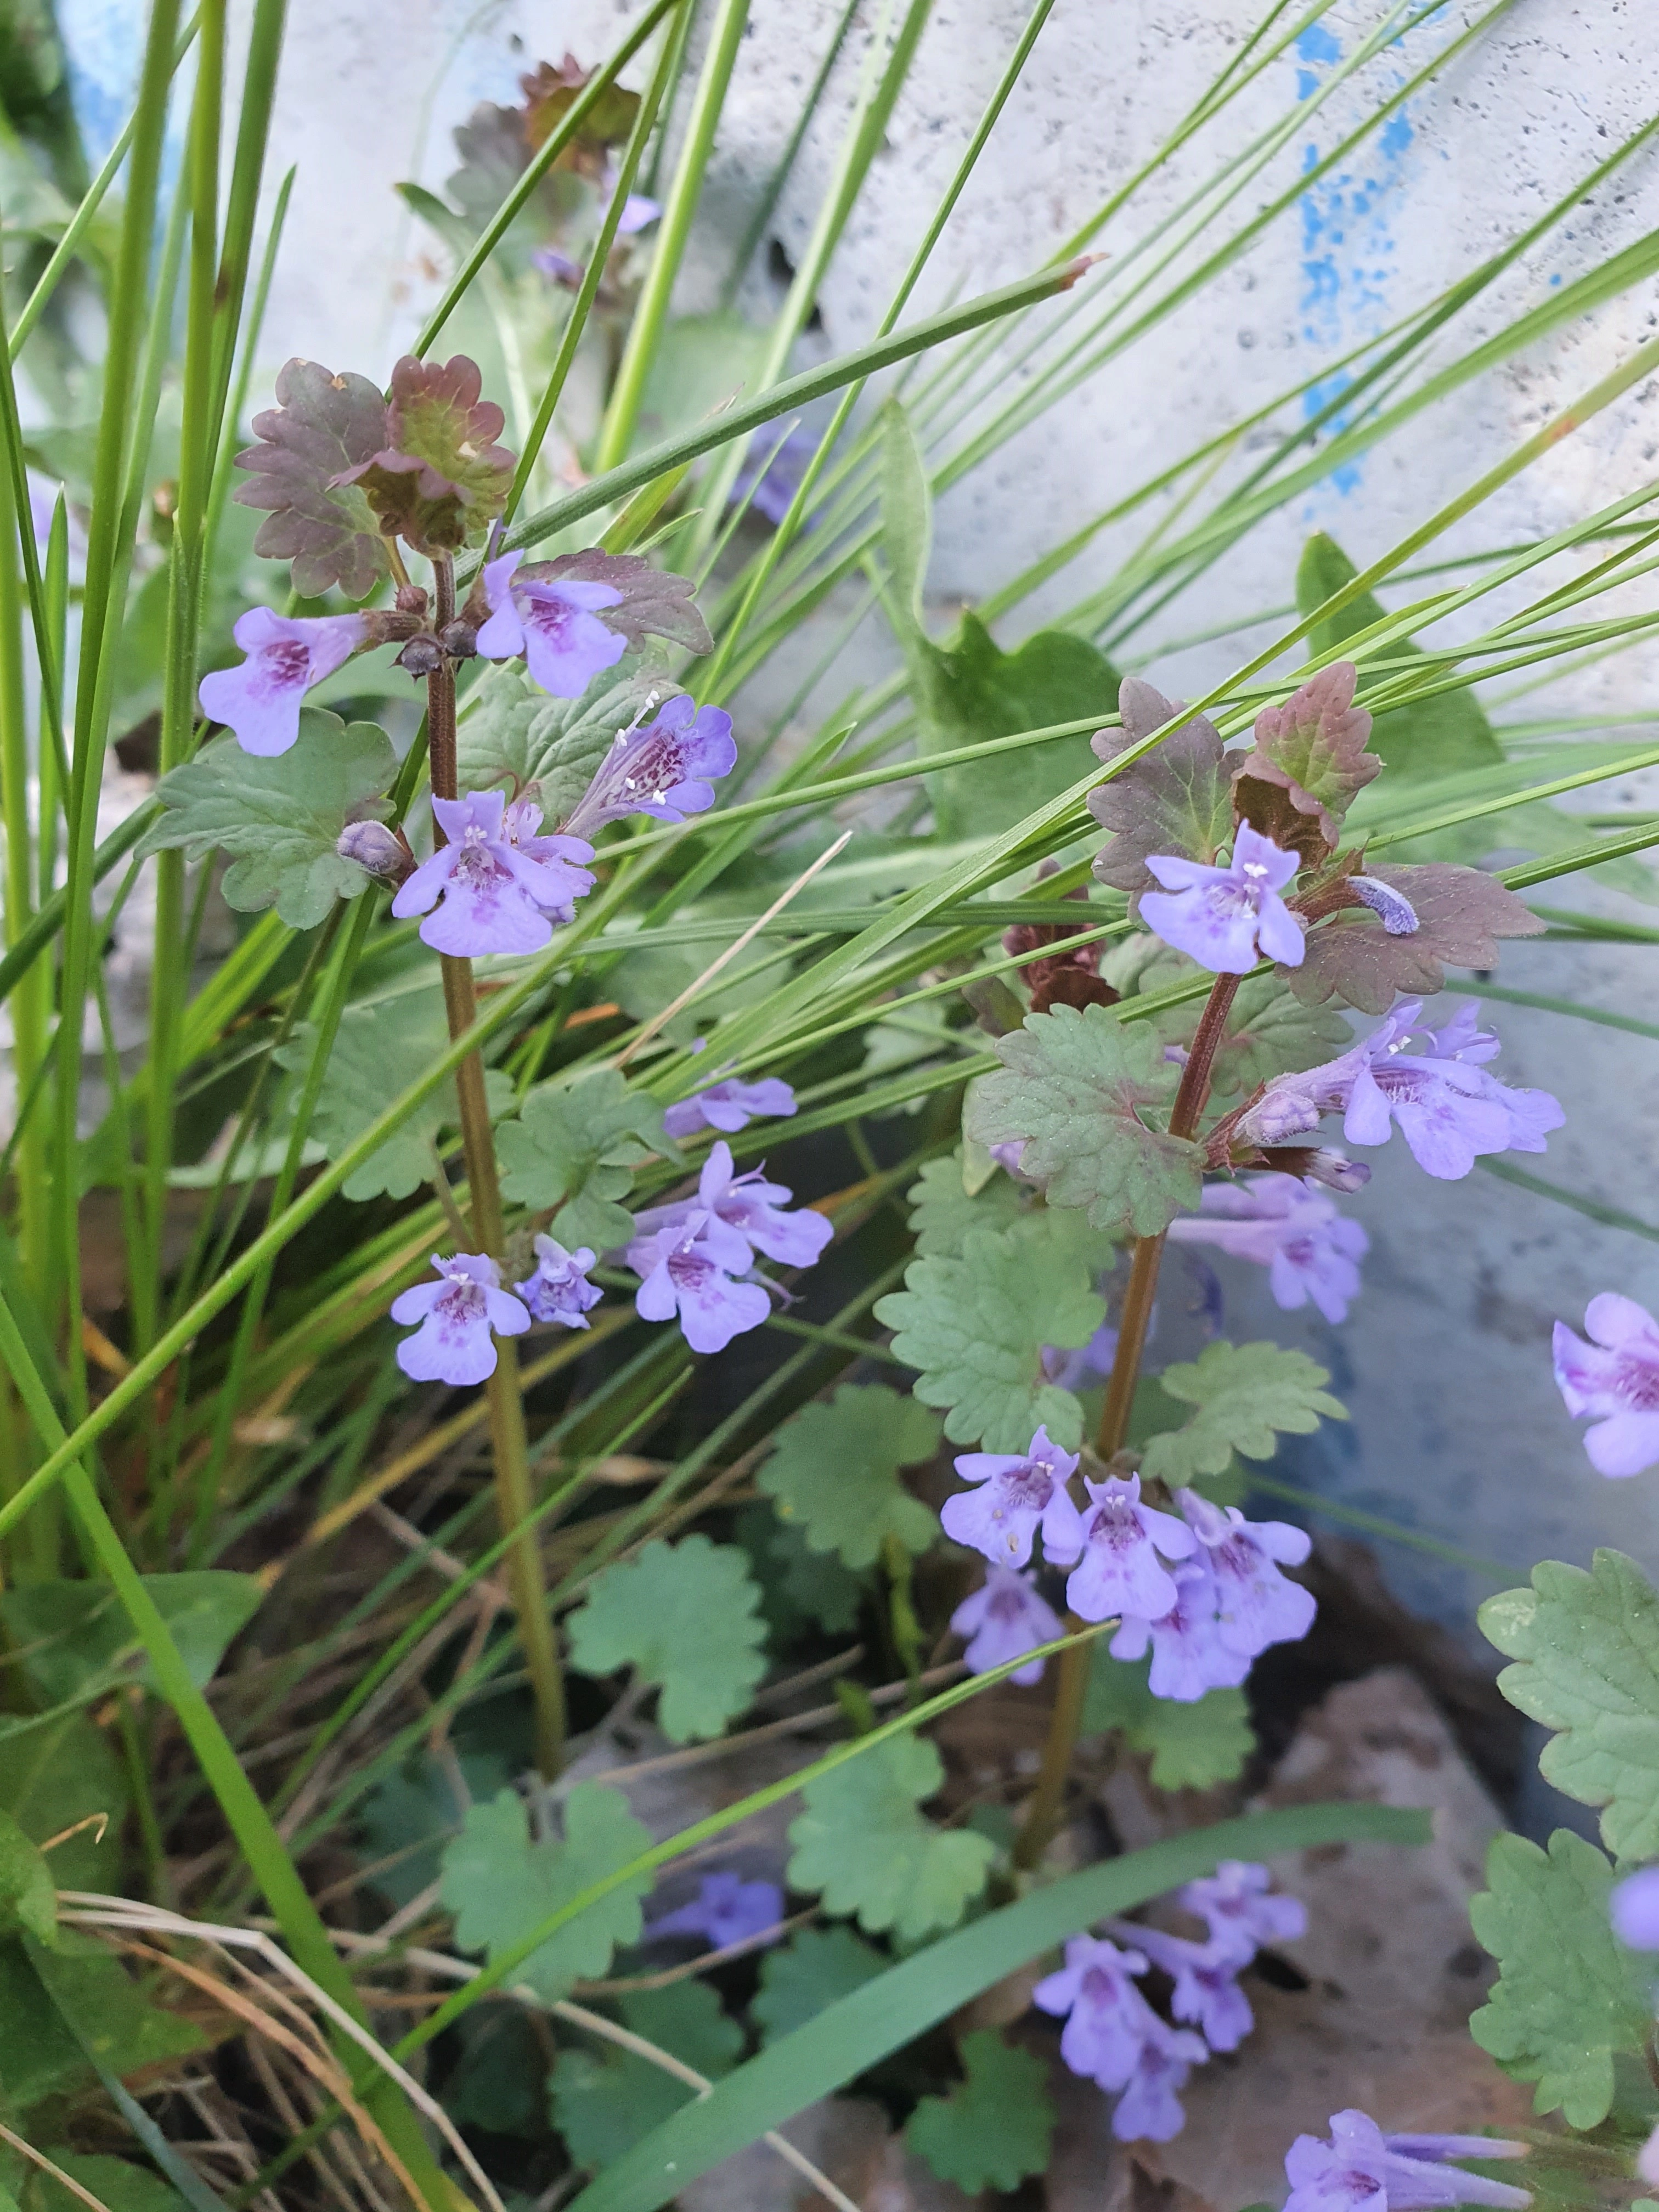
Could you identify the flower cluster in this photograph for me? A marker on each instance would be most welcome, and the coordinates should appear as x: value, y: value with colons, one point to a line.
x: 1360, y: 2169
x: 1112, y: 2035
x: 692, y: 1255
x: 1433, y: 1084
x: 1204, y: 1591
x: 1310, y: 1251
x: 497, y: 886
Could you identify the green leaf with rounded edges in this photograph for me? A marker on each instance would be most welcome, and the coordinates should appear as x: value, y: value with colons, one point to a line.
x: 685, y: 1616
x: 1193, y: 1746
x: 500, y: 1884
x: 1568, y: 1997
x: 574, y: 1146
x: 798, y: 1586
x: 976, y: 1327
x: 996, y: 2126
x: 942, y: 1211
x: 606, y: 2100
x: 1075, y: 1087
x: 78, y: 1636
x: 1587, y: 1649
x: 379, y: 1050
x: 1243, y: 1394
x: 1175, y: 799
x: 515, y: 732
x: 815, y: 1968
x: 865, y: 1844
x: 834, y: 1473
x: 28, y: 1896
x: 279, y: 816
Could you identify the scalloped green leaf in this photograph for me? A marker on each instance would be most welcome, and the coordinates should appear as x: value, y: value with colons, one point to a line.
x: 1193, y: 1746
x: 606, y: 2100
x: 996, y: 2126
x: 380, y: 1049
x: 1243, y: 1394
x: 1176, y: 799
x: 976, y: 1327
x: 799, y: 1978
x: 1568, y: 1999
x: 865, y: 1844
x: 574, y: 1146
x: 1587, y: 1652
x: 1076, y: 1087
x: 685, y: 1617
x: 834, y: 1473
x: 500, y: 1883
x: 942, y: 1211
x: 279, y: 816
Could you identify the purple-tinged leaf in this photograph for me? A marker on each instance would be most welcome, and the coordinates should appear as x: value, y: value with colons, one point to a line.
x: 323, y: 427
x: 1461, y: 915
x: 1176, y: 799
x: 438, y: 477
x: 653, y: 600
x: 1312, y: 750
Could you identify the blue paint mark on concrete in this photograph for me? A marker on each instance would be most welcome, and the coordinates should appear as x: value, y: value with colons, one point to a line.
x: 1348, y: 246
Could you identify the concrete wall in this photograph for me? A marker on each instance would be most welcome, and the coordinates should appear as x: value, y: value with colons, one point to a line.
x: 1457, y: 1427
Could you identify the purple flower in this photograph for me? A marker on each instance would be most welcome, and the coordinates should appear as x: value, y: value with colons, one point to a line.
x: 559, y: 1290
x: 1255, y: 1605
x: 1635, y: 1908
x: 1362, y: 2170
x: 260, y: 701
x: 769, y: 480
x: 726, y: 1909
x: 1188, y: 1656
x: 1019, y: 1493
x: 1448, y: 1108
x: 521, y: 825
x: 660, y: 768
x: 1089, y: 1363
x: 497, y: 894
x: 1004, y: 1616
x: 750, y: 1207
x: 688, y: 1270
x: 1336, y: 1171
x: 1121, y: 1570
x: 1615, y: 1378
x: 1241, y: 1912
x: 456, y: 1316
x: 1308, y: 1247
x: 1223, y: 917
x: 553, y: 623
x: 729, y: 1105
x: 1106, y: 2016
x: 1149, y: 2111
x: 376, y: 849
x: 1206, y: 1977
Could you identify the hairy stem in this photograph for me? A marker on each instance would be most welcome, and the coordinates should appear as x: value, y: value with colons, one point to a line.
x: 1043, y: 1814
x: 513, y: 1498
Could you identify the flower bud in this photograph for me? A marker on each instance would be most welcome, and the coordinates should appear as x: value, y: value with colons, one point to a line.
x: 377, y: 849
x: 460, y: 639
x: 1399, y: 915
x: 1335, y: 1171
x: 411, y: 600
x: 421, y: 656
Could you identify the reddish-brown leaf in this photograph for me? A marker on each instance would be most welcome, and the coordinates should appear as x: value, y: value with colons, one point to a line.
x: 1175, y: 799
x: 323, y: 428
x: 1461, y: 913
x: 653, y: 599
x: 1313, y: 748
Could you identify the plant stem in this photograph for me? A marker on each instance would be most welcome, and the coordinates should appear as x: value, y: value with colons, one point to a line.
x: 1043, y: 1814
x: 514, y: 1501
